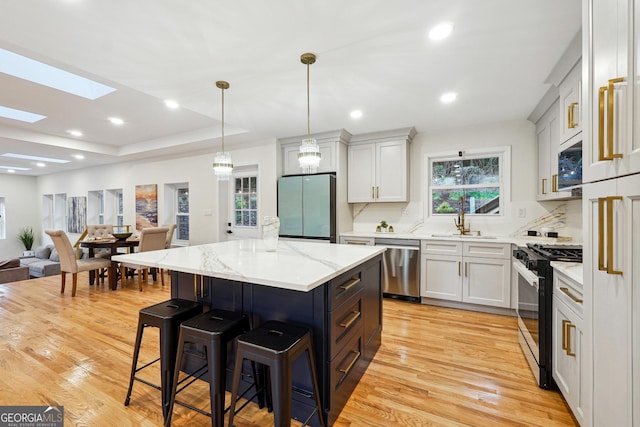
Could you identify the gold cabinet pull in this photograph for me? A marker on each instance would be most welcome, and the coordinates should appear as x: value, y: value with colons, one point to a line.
x: 554, y: 183
x: 373, y: 192
x: 466, y: 269
x: 543, y: 186
x: 350, y: 365
x: 568, y: 350
x: 565, y: 322
x: 377, y: 192
x: 605, y: 258
x: 459, y: 268
x: 571, y: 119
x: 610, y: 114
x: 566, y: 291
x: 350, y: 284
x: 355, y: 315
x: 601, y: 92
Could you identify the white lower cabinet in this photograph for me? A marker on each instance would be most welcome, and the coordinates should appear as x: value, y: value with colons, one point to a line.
x: 470, y: 272
x: 568, y: 343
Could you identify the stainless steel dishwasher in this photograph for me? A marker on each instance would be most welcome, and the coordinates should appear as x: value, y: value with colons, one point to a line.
x: 401, y: 268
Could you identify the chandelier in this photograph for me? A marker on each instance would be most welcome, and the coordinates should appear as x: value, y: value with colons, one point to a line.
x: 309, y: 155
x: 222, y: 165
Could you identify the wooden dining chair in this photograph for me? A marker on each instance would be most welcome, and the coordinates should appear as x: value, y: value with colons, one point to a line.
x: 151, y: 239
x: 69, y: 263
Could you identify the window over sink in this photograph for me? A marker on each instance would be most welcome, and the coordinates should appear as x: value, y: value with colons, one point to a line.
x: 473, y: 181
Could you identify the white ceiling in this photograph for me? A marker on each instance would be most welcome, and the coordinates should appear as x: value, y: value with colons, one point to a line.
x: 373, y: 55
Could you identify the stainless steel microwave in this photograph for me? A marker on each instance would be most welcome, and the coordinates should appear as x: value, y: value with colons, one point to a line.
x: 570, y: 166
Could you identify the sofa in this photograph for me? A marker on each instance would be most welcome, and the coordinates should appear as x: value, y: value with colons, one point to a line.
x: 45, y: 262
x: 12, y: 271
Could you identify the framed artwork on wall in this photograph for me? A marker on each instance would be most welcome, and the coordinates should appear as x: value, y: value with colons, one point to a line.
x: 76, y: 214
x: 146, y: 206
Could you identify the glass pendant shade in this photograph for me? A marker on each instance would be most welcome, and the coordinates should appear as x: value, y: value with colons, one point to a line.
x: 309, y: 156
x: 222, y: 165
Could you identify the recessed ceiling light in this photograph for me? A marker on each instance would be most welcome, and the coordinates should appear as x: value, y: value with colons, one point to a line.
x: 37, y: 72
x: 356, y: 114
x: 170, y: 103
x: 441, y: 31
x: 448, y: 97
x: 14, y: 168
x: 78, y: 156
x: 11, y: 170
x: 34, y: 158
x: 116, y: 121
x: 40, y: 164
x: 74, y: 132
x: 23, y: 116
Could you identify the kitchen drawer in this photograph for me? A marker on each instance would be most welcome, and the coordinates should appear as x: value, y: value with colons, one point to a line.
x: 347, y: 367
x: 441, y: 247
x: 351, y: 240
x: 487, y: 250
x: 568, y: 291
x: 343, y: 287
x: 343, y: 321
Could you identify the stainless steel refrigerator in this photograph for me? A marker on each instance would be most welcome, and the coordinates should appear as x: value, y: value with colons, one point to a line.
x: 307, y: 206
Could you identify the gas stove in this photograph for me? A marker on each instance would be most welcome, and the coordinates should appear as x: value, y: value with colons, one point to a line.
x: 536, y: 257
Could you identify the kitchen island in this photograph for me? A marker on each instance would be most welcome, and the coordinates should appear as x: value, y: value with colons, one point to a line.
x: 333, y: 289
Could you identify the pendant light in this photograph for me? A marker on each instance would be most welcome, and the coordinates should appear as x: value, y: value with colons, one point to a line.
x: 222, y: 165
x: 309, y: 155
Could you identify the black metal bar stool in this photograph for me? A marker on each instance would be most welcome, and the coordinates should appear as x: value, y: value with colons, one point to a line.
x: 277, y: 345
x: 214, y: 330
x: 166, y: 316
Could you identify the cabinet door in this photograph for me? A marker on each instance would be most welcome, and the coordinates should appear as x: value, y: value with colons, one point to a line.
x: 291, y: 166
x: 567, y: 355
x: 391, y: 171
x: 608, y: 300
x: 610, y: 122
x: 487, y: 281
x: 571, y: 103
x: 361, y: 173
x: 544, y: 154
x: 441, y: 277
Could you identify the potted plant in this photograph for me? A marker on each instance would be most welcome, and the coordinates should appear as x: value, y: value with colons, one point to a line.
x: 27, y: 238
x: 384, y: 225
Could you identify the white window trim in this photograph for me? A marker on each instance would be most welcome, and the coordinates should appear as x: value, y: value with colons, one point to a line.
x: 176, y: 214
x: 504, y: 152
x: 242, y: 173
x: 3, y: 219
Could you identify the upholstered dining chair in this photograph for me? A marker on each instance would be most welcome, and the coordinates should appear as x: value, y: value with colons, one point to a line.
x: 69, y: 263
x: 151, y: 239
x: 172, y: 229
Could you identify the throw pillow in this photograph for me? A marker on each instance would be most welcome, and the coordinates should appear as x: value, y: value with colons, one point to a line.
x: 43, y: 252
x: 10, y: 263
x: 54, y: 255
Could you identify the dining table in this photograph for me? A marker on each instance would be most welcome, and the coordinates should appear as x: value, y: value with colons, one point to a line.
x: 113, y: 245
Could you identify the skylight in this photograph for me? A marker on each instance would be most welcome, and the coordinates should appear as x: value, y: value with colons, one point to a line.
x: 35, y: 158
x: 23, y: 116
x: 37, y: 72
x: 14, y: 168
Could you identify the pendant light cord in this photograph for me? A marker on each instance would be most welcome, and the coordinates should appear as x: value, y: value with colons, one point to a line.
x: 223, y: 120
x: 308, y: 106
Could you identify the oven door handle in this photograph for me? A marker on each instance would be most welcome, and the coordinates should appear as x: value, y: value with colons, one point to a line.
x: 528, y: 275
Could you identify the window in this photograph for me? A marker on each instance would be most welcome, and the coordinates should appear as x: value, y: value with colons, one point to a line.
x: 245, y: 201
x: 3, y: 224
x: 120, y: 208
x: 95, y: 211
x: 182, y: 213
x: 473, y: 183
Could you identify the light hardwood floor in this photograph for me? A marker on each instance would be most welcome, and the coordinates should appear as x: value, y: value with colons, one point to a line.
x: 436, y: 366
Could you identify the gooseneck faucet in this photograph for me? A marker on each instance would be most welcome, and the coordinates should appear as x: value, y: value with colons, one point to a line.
x: 460, y: 222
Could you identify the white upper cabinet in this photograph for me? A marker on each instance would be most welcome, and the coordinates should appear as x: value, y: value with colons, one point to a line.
x: 614, y: 145
x: 571, y: 103
x: 378, y: 167
x: 329, y: 144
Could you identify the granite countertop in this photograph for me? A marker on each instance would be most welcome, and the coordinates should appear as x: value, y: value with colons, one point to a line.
x: 300, y: 266
x: 572, y: 270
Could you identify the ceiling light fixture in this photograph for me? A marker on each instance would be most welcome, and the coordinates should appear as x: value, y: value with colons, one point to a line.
x: 170, y: 103
x: 222, y: 165
x: 441, y: 31
x: 116, y: 121
x: 309, y: 155
x: 14, y: 168
x: 78, y: 156
x: 356, y: 114
x: 74, y: 133
x: 448, y: 97
x: 40, y: 164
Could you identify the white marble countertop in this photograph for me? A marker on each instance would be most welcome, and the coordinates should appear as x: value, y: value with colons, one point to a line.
x: 572, y: 270
x: 516, y: 240
x: 300, y: 266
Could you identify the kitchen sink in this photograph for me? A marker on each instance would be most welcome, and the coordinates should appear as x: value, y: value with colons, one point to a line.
x: 465, y: 236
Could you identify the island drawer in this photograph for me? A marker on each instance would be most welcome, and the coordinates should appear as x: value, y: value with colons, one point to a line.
x: 343, y: 321
x: 343, y: 287
x: 347, y: 368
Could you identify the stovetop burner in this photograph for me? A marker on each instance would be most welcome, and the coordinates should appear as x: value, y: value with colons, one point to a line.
x: 572, y: 253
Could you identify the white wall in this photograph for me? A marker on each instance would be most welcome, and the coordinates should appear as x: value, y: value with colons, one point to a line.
x: 21, y: 211
x: 195, y: 170
x: 520, y: 136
